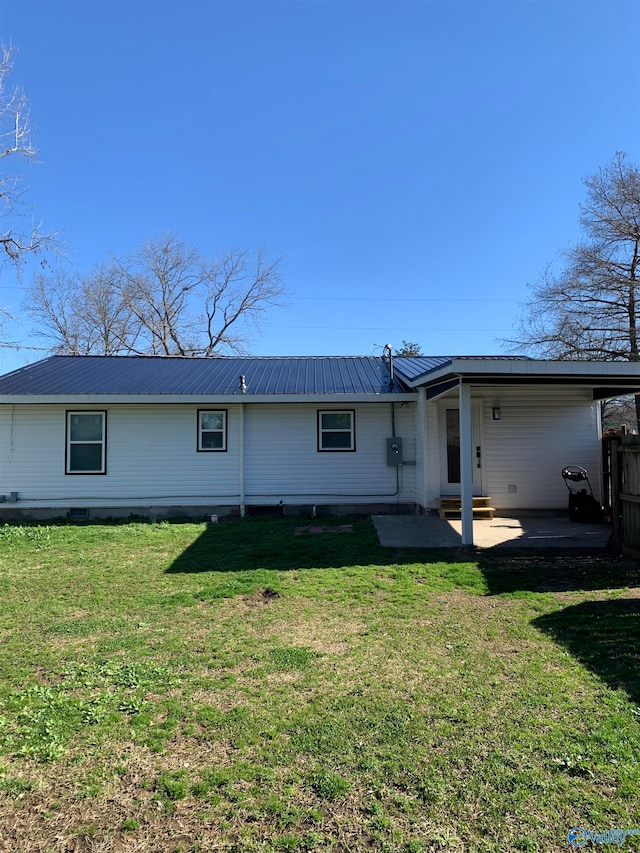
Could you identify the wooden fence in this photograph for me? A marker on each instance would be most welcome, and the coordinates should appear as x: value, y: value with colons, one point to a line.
x: 621, y: 480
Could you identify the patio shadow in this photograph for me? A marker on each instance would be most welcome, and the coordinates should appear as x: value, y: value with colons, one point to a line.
x: 604, y: 636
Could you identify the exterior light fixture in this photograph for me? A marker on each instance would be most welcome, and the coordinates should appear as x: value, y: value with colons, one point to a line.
x: 496, y: 413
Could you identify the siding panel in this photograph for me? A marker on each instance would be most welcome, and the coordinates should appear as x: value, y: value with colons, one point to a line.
x: 152, y: 458
x: 537, y: 435
x: 282, y: 461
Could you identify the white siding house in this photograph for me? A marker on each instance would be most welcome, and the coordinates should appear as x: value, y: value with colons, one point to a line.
x: 152, y: 458
x: 161, y: 436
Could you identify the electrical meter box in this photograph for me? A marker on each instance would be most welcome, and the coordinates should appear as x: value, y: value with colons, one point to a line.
x: 394, y: 451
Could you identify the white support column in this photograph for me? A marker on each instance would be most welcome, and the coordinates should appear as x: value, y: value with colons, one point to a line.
x: 466, y: 465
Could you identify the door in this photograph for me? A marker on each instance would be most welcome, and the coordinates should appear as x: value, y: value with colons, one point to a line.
x: 449, y: 431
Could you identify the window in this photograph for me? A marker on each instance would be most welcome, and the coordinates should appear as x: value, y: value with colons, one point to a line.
x: 212, y: 429
x: 86, y: 443
x: 336, y: 430
x: 452, y: 423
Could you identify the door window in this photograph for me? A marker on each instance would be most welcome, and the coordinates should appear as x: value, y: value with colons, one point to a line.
x: 452, y: 422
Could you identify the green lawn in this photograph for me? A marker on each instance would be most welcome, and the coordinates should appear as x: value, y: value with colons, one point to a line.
x: 238, y: 687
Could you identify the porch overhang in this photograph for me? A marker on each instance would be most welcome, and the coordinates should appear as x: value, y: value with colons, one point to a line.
x: 604, y: 379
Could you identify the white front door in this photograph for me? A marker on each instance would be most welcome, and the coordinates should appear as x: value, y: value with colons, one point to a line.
x: 449, y: 443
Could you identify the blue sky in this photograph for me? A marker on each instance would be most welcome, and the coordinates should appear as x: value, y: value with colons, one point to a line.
x: 414, y: 163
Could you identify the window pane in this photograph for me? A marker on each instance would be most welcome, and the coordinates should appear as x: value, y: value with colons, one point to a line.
x: 336, y: 440
x: 336, y: 420
x: 85, y: 457
x: 212, y: 420
x: 212, y: 441
x: 85, y: 427
x: 453, y: 445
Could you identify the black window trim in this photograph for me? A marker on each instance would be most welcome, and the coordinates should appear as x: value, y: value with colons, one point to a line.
x: 67, y: 440
x: 225, y: 432
x: 320, y: 431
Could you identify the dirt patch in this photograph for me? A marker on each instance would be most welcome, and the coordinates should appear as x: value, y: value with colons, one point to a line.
x: 264, y: 596
x: 323, y: 635
x: 52, y: 817
x: 315, y: 529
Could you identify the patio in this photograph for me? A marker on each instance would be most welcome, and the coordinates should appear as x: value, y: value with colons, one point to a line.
x: 533, y: 532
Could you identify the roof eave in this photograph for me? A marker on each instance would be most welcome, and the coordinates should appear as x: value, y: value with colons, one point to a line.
x: 203, y: 399
x: 500, y: 371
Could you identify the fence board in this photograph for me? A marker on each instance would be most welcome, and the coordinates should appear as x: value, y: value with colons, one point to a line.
x: 629, y: 491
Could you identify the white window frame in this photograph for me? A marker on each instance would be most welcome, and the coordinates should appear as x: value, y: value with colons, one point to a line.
x: 322, y: 431
x: 223, y: 431
x: 102, y: 442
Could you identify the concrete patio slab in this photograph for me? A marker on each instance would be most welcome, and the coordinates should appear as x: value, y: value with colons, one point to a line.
x: 430, y: 531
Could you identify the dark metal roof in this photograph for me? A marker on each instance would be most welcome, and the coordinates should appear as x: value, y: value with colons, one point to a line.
x: 412, y: 367
x: 149, y: 375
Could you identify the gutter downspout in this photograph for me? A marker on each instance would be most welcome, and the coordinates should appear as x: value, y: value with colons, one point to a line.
x: 243, y: 508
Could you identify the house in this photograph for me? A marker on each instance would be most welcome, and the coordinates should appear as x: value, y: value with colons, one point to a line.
x: 115, y: 435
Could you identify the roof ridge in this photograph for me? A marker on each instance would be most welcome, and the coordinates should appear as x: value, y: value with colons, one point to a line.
x: 209, y: 357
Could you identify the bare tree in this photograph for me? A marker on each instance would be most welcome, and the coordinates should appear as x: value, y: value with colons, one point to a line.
x: 81, y: 316
x: 157, y: 285
x: 108, y: 322
x: 53, y: 304
x: 15, y: 143
x: 165, y: 299
x: 591, y: 308
x: 618, y: 412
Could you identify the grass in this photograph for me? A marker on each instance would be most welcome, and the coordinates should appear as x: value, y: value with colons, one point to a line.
x: 237, y: 687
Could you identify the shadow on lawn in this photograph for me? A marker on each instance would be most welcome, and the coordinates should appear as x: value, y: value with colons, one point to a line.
x: 273, y: 544
x: 237, y: 545
x: 557, y: 571
x: 604, y: 636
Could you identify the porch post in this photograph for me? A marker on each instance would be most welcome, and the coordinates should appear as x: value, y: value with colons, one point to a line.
x: 466, y: 465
